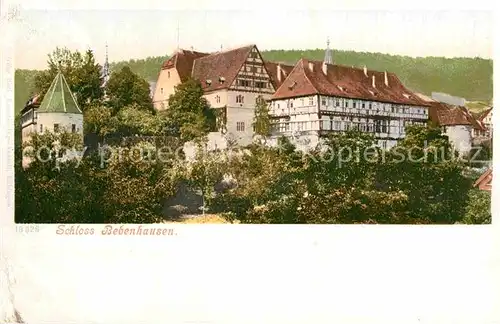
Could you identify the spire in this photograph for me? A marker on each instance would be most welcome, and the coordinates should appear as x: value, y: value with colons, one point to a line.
x: 328, y: 53
x: 105, y: 69
x: 59, y: 98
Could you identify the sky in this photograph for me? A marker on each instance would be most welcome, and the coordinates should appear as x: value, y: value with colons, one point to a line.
x: 138, y: 32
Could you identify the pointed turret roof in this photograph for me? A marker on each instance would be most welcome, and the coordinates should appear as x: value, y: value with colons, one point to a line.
x: 59, y: 98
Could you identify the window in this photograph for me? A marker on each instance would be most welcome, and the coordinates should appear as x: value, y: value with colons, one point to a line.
x: 260, y: 84
x: 240, y: 126
x: 337, y: 125
x: 370, y: 105
x: 161, y: 90
x: 244, y: 83
x: 302, y: 103
x: 291, y: 104
x: 56, y: 128
x: 323, y: 101
x: 346, y: 104
x: 363, y: 105
x: 240, y: 99
x: 168, y: 75
x: 337, y: 103
x: 311, y: 101
x: 73, y: 128
x: 354, y: 104
x: 41, y: 128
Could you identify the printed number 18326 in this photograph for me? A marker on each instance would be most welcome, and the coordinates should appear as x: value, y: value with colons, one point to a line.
x: 27, y: 228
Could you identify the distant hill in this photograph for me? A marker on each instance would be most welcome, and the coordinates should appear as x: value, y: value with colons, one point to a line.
x: 471, y: 78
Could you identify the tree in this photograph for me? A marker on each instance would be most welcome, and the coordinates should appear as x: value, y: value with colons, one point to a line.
x: 262, y: 121
x: 82, y: 73
x: 478, y: 210
x: 126, y: 88
x: 189, y: 113
x: 98, y: 120
x: 424, y: 167
x: 204, y: 173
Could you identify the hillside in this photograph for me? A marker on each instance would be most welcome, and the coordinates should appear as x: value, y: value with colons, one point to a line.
x: 471, y: 78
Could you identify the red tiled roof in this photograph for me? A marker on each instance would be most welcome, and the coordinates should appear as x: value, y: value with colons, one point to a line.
x: 449, y: 115
x: 183, y: 61
x: 220, y: 65
x: 211, y: 66
x: 272, y: 71
x: 347, y: 82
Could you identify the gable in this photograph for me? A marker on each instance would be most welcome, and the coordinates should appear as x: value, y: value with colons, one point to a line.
x: 253, y: 75
x: 217, y: 71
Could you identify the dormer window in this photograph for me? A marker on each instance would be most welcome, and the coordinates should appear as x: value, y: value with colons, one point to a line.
x: 208, y: 82
x: 291, y: 86
x: 222, y: 79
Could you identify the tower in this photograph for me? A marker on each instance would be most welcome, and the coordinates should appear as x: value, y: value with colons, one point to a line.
x: 328, y: 53
x: 105, y: 69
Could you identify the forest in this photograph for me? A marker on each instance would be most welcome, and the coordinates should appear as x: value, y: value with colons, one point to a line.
x: 470, y: 78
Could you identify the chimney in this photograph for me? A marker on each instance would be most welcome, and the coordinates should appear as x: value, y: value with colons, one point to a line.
x: 365, y: 70
x: 311, y: 66
x: 325, y: 68
x: 386, y: 79
x: 278, y: 72
x: 373, y: 81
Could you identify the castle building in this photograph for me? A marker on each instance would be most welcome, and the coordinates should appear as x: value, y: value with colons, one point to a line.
x: 58, y: 111
x: 455, y: 120
x: 232, y: 80
x: 317, y: 98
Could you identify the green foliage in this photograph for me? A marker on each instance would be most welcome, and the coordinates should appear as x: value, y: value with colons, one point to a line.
x: 189, y: 114
x: 348, y: 180
x: 478, y: 210
x: 128, y: 188
x: 204, y: 173
x: 422, y: 74
x: 147, y: 68
x: 125, y: 88
x: 24, y: 84
x: 262, y: 121
x: 82, y: 73
x: 98, y: 120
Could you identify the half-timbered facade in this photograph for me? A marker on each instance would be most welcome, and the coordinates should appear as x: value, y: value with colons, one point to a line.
x: 317, y: 98
x: 231, y: 80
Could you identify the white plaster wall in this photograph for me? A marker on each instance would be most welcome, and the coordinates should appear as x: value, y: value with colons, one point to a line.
x: 460, y: 137
x: 65, y: 120
x: 212, y: 98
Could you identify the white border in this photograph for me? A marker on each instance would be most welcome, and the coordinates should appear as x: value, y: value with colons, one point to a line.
x: 251, y: 274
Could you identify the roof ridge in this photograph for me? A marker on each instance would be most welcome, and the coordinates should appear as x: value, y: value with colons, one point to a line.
x: 225, y: 51
x: 307, y: 77
x: 62, y: 91
x: 71, y: 94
